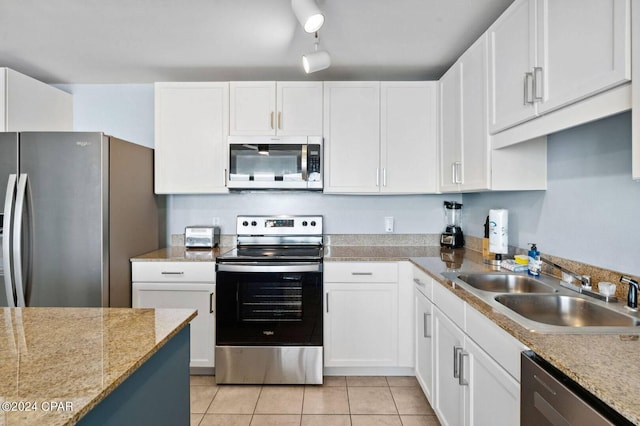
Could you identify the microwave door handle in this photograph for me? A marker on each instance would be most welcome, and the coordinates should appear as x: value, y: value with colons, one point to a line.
x: 6, y: 239
x: 17, y: 240
x: 303, y: 162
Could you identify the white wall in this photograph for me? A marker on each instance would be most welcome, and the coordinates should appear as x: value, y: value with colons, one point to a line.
x: 591, y: 209
x: 121, y: 110
x: 343, y: 214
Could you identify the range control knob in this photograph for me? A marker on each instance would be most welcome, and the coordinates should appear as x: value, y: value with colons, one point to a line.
x: 304, y: 223
x: 254, y: 223
x: 245, y: 223
x: 313, y: 223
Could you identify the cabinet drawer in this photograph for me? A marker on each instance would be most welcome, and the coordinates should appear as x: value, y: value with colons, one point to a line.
x: 499, y: 344
x: 423, y: 282
x: 173, y: 272
x: 449, y: 303
x: 360, y: 272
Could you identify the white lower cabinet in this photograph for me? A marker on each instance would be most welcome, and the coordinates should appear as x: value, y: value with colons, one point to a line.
x: 360, y: 325
x: 182, y: 285
x: 361, y: 316
x: 423, y: 309
x: 468, y: 367
x: 491, y: 395
x: 448, y: 401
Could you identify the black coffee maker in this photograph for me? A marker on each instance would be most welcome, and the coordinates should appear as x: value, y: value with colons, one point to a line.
x: 452, y: 236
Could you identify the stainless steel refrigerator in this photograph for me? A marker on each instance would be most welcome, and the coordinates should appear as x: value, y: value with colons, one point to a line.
x: 76, y: 207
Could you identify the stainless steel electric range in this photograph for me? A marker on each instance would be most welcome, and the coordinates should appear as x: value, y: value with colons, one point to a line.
x: 269, y: 302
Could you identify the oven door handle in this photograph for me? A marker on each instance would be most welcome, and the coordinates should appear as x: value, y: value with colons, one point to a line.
x: 269, y: 267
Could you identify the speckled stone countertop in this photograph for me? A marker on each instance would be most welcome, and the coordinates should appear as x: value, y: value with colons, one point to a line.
x: 605, y: 365
x: 72, y: 358
x: 181, y: 254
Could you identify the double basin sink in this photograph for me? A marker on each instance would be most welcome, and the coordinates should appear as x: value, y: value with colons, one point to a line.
x: 543, y: 305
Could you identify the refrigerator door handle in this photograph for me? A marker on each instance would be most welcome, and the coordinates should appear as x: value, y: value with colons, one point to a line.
x: 17, y: 240
x: 6, y: 239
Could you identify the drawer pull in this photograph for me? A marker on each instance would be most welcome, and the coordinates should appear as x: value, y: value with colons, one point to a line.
x: 172, y: 273
x: 420, y: 283
x: 362, y: 273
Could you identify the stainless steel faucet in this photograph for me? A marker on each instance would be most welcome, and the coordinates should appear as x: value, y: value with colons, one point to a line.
x: 585, y: 280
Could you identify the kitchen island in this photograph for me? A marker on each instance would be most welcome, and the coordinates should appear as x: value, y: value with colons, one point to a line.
x: 94, y: 365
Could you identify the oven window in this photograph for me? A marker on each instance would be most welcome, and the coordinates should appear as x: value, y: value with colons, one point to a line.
x: 267, y: 162
x: 269, y: 308
x: 272, y: 301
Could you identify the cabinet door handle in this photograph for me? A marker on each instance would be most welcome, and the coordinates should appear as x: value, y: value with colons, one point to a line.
x: 384, y: 176
x: 457, y: 172
x: 280, y: 120
x: 453, y: 173
x: 420, y: 283
x: 377, y: 176
x: 225, y: 177
x: 537, y: 84
x: 272, y: 119
x: 528, y: 88
x: 210, y: 303
x: 456, y: 364
x: 326, y: 297
x: 171, y: 273
x: 362, y: 273
x: 461, y: 380
x: 426, y: 325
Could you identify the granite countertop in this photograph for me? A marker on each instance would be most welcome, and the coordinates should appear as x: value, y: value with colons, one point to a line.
x: 181, y: 254
x: 605, y: 365
x: 56, y: 364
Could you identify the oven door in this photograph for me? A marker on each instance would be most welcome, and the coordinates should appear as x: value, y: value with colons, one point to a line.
x: 269, y: 305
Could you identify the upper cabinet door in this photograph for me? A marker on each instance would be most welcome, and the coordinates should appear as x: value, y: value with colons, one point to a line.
x: 352, y: 137
x: 451, y: 127
x: 253, y: 108
x: 511, y: 62
x: 191, y: 127
x: 299, y: 108
x: 584, y: 48
x: 408, y: 132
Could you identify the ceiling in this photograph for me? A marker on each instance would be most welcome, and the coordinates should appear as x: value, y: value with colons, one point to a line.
x: 142, y: 41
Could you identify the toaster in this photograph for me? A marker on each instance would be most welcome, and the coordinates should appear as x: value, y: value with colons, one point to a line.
x: 201, y: 237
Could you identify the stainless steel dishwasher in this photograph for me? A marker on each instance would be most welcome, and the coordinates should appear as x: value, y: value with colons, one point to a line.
x: 549, y: 397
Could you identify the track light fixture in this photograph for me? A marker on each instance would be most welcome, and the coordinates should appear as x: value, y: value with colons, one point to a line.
x: 316, y: 61
x: 308, y: 14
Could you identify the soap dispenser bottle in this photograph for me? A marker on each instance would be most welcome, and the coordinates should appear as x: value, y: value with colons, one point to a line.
x: 535, y: 264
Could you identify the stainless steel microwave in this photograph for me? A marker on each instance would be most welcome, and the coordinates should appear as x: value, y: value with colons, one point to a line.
x: 271, y: 162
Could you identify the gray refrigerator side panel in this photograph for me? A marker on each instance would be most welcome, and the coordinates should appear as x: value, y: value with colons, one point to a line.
x: 133, y: 214
x: 68, y: 210
x: 8, y: 165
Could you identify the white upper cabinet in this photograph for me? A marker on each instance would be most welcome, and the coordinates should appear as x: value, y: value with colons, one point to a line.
x: 380, y: 137
x: 191, y: 128
x: 511, y: 62
x: 27, y: 104
x: 408, y: 137
x: 276, y: 108
x: 543, y: 56
x: 464, y: 140
x: 351, y: 137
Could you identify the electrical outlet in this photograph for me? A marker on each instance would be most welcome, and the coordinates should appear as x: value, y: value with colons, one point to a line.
x: 388, y: 224
x: 215, y: 221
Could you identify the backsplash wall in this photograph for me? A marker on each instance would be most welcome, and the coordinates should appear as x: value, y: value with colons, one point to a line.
x: 591, y: 209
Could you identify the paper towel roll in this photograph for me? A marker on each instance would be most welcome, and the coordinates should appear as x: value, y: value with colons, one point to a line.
x: 499, y: 231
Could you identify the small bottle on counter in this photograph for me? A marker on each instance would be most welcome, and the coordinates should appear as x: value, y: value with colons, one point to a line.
x: 535, y: 264
x: 485, y: 241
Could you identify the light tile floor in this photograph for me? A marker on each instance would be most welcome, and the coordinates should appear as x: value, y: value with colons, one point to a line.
x: 366, y: 401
